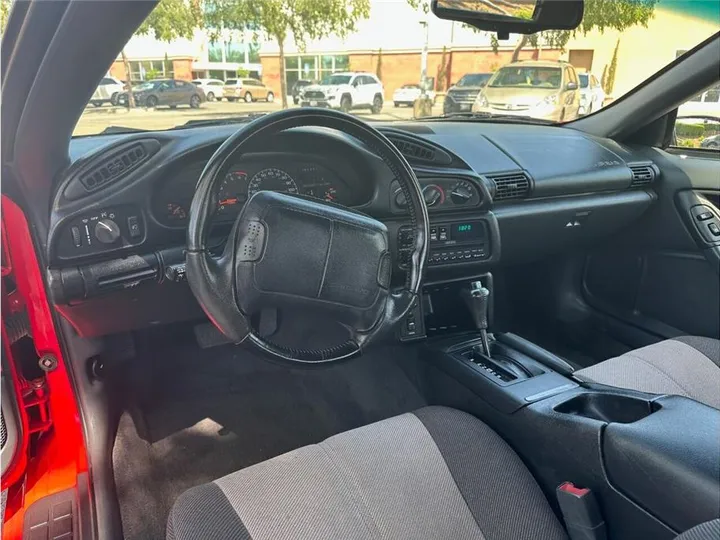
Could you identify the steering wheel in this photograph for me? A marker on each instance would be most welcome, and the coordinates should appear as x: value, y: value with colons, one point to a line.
x: 292, y: 251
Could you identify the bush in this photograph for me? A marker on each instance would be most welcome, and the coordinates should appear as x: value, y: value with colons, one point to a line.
x: 689, y: 131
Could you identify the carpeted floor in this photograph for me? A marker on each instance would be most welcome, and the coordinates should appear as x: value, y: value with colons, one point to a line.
x: 211, y: 412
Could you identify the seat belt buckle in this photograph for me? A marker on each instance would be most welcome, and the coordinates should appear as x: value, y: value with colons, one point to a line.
x: 581, y: 512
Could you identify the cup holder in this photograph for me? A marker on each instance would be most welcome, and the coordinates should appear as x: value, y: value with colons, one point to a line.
x: 607, y: 407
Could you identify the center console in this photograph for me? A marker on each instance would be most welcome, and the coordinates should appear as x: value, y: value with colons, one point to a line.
x: 652, y: 462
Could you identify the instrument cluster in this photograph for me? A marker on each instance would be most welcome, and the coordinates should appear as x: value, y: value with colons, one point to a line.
x: 171, y: 204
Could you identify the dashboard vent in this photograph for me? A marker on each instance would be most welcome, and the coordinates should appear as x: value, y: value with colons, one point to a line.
x: 414, y: 151
x: 642, y: 175
x: 115, y: 166
x: 510, y: 186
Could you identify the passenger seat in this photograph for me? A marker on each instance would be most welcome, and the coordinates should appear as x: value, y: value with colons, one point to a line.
x: 686, y: 366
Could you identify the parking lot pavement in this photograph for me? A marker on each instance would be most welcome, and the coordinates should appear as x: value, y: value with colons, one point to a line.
x: 96, y: 119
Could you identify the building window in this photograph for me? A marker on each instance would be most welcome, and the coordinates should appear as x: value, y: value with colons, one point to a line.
x: 151, y: 69
x: 237, y: 52
x: 215, y: 52
x: 314, y: 68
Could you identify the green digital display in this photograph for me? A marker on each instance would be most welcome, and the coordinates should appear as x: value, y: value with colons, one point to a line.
x: 465, y: 227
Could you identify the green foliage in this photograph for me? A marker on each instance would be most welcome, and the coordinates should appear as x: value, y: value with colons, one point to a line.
x: 603, y: 79
x: 5, y: 6
x: 689, y: 131
x: 243, y: 72
x: 610, y: 81
x: 278, y: 19
x: 152, y: 74
x: 172, y: 19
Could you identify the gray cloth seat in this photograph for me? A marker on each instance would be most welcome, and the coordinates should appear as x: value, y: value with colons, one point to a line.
x: 437, y: 473
x: 687, y: 366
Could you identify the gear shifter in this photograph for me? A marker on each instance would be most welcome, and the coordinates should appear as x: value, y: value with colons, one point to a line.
x: 478, y: 301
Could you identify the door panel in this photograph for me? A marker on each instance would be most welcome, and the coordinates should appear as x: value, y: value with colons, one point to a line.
x: 663, y: 277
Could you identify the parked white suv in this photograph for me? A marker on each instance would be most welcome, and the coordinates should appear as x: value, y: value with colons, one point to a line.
x: 345, y: 91
x: 107, y: 91
x: 213, y: 88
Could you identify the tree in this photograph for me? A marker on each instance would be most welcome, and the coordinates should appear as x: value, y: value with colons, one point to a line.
x: 378, y: 69
x: 599, y: 15
x: 279, y: 19
x: 171, y: 19
x: 610, y: 80
x: 5, y: 6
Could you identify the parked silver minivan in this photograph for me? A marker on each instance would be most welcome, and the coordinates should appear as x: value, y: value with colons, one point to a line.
x: 541, y: 89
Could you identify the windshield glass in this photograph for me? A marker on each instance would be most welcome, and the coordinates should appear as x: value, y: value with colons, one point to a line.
x: 336, y: 79
x: 476, y: 79
x: 385, y: 46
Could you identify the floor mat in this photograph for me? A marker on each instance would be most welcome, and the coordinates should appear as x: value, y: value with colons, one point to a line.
x: 214, y: 411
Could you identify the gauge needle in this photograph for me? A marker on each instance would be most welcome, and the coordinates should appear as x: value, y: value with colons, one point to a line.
x: 228, y: 201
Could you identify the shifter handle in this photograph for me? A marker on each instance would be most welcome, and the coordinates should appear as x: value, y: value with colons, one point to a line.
x: 478, y: 304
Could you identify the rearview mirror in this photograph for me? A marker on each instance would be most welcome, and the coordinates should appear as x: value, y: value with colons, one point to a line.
x: 512, y: 16
x: 571, y: 86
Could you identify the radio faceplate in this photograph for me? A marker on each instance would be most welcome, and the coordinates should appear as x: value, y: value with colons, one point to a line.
x: 450, y: 243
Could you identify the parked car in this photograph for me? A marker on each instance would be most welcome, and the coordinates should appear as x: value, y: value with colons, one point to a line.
x: 592, y: 94
x: 107, y: 91
x: 346, y: 91
x: 408, y: 93
x: 247, y: 89
x: 704, y: 104
x: 461, y: 96
x: 711, y: 142
x: 165, y: 92
x: 213, y: 88
x: 297, y: 89
x: 542, y: 89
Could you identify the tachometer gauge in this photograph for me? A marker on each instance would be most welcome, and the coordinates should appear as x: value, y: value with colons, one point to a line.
x: 330, y: 194
x: 272, y: 180
x: 232, y: 191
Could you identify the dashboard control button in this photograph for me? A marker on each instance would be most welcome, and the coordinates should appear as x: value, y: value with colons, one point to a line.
x: 704, y: 216
x: 134, y: 226
x: 714, y: 229
x: 107, y: 231
x: 461, y: 193
x: 443, y: 233
x: 433, y: 234
x: 76, y: 236
x: 400, y: 198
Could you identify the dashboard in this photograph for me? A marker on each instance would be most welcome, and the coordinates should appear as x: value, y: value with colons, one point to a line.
x: 496, y: 194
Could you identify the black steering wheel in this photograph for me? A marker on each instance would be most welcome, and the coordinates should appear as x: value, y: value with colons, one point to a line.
x: 298, y: 252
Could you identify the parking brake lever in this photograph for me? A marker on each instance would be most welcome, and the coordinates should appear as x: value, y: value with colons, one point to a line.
x: 477, y: 300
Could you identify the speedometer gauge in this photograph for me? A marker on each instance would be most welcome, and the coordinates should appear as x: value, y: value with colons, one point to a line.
x: 232, y: 191
x: 272, y: 180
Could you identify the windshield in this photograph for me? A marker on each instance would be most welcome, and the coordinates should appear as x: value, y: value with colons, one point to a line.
x: 383, y: 46
x: 476, y: 79
x: 336, y: 80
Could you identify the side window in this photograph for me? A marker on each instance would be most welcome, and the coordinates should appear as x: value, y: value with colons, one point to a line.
x: 570, y: 76
x: 701, y: 132
x: 357, y: 81
x: 180, y: 84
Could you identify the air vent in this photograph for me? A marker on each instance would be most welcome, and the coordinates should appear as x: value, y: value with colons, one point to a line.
x: 642, y: 175
x: 113, y: 168
x: 413, y: 151
x: 3, y: 430
x: 510, y: 186
x: 104, y: 169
